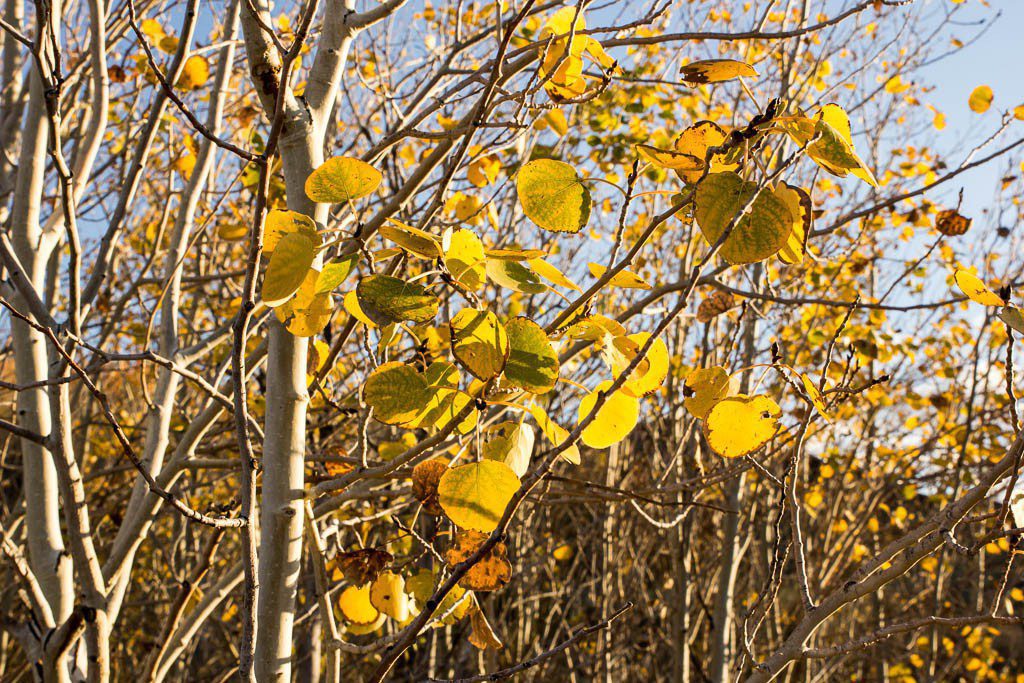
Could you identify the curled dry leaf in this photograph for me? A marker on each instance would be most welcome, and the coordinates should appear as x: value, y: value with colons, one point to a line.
x: 362, y: 566
x: 425, y: 477
x: 715, y: 305
x: 951, y: 223
x: 482, y: 635
x: 491, y: 572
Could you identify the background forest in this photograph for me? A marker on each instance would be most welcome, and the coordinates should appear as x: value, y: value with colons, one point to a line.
x: 671, y: 340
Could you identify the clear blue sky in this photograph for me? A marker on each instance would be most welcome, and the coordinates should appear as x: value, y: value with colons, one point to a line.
x: 995, y: 60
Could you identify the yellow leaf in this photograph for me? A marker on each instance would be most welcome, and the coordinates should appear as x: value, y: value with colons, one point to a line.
x: 387, y: 594
x: 411, y: 239
x: 553, y: 196
x: 716, y: 71
x: 695, y: 141
x: 281, y: 222
x: 474, y: 496
x: 679, y: 162
x: 443, y: 406
x: 976, y: 290
x: 833, y: 150
x: 351, y: 302
x: 152, y: 29
x: 817, y: 400
x: 614, y: 420
x: 396, y: 392
x: 482, y: 636
x: 465, y: 259
x: 552, y: 274
x: 385, y: 299
x: 532, y: 362
x: 555, y: 120
x: 355, y: 605
x: 980, y: 99
x: 624, y: 278
x: 288, y: 268
x: 484, y: 170
x: 802, y: 212
x: 759, y: 234
x: 342, y: 179
x: 309, y: 311
x: 741, y: 424
x: 649, y: 375
x: 195, y: 73
x: 479, y: 342
x: 703, y: 388
x: 555, y: 434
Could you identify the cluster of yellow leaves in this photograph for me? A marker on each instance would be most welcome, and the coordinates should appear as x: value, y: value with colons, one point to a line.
x: 734, y: 424
x: 562, y: 65
x: 300, y: 292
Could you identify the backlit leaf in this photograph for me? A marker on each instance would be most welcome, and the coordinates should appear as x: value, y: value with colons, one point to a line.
x: 552, y: 274
x: 980, y: 99
x: 342, y: 179
x: 510, y: 442
x: 443, y: 405
x: 280, y: 222
x: 532, y: 362
x: 474, y: 496
x: 555, y: 434
x: 309, y: 311
x: 703, y: 388
x: 759, y: 234
x: 651, y: 373
x: 741, y: 424
x: 716, y: 71
x: 351, y: 303
x: 624, y: 278
x: 396, y: 392
x: 387, y: 594
x: 490, y: 572
x: 615, y: 419
x: 695, y: 142
x: 287, y: 269
x: 335, y: 272
x: 465, y: 259
x: 976, y: 290
x: 479, y: 342
x: 833, y: 149
x: 194, y: 73
x: 411, y: 239
x: 514, y: 276
x: 553, y: 196
x: 802, y: 211
x: 354, y: 603
x: 385, y: 299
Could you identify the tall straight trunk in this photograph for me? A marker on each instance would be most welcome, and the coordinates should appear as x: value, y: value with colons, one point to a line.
x: 33, y: 247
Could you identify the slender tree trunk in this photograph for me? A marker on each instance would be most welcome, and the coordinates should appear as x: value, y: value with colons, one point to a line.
x: 33, y: 247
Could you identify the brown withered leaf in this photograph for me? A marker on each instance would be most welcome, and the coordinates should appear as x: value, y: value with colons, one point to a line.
x: 492, y: 571
x: 337, y: 469
x: 482, y: 636
x: 425, y: 477
x: 363, y: 566
x: 715, y: 305
x: 951, y: 223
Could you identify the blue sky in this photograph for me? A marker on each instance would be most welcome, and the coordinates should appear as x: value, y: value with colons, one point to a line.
x: 995, y: 60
